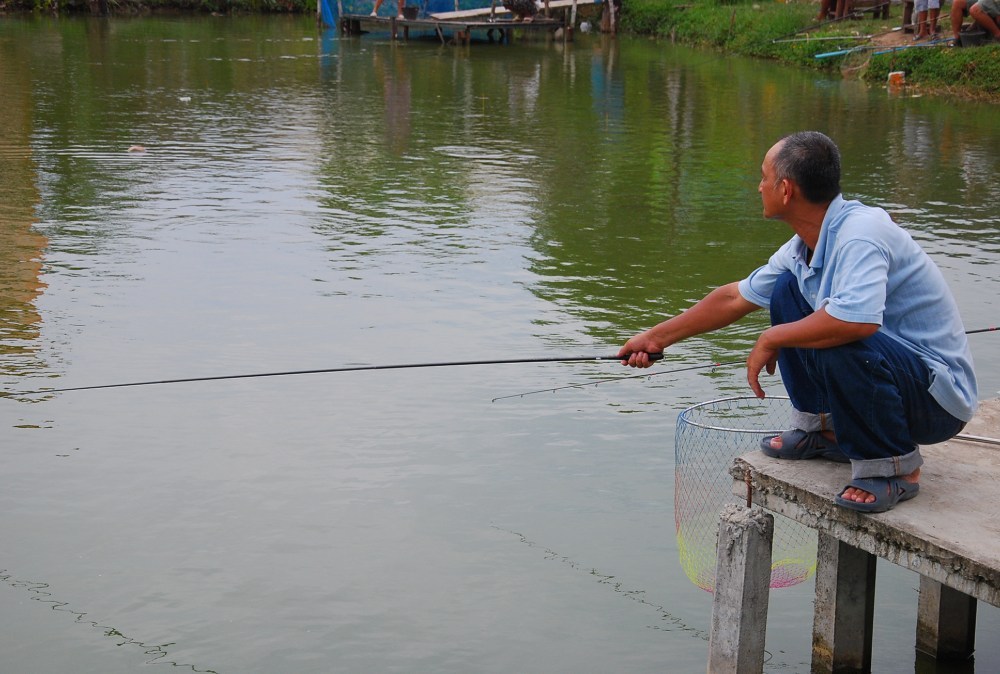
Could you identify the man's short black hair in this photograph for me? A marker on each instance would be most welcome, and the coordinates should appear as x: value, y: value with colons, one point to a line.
x: 812, y: 161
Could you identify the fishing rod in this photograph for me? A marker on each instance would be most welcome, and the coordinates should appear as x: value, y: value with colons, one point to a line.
x: 825, y: 38
x: 857, y: 14
x: 355, y: 368
x: 803, y: 31
x: 842, y: 52
x: 851, y: 50
x: 931, y: 43
x: 403, y: 366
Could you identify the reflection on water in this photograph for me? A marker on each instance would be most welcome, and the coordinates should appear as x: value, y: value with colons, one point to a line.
x: 307, y: 202
x: 21, y: 246
x: 395, y: 80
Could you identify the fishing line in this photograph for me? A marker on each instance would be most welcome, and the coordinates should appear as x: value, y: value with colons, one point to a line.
x: 634, y: 376
x: 636, y: 595
x: 356, y: 368
x: 653, y: 374
x: 41, y: 593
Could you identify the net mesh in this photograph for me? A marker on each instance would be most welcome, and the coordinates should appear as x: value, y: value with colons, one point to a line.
x: 709, y: 436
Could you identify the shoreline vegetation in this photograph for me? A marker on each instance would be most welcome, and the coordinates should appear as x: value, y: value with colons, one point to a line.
x: 788, y: 32
x: 864, y: 47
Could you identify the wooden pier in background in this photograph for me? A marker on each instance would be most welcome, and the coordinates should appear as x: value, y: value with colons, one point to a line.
x: 495, y: 22
x: 949, y: 535
x: 458, y: 31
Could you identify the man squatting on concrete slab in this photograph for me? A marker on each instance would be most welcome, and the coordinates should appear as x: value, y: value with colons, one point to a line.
x: 872, y: 350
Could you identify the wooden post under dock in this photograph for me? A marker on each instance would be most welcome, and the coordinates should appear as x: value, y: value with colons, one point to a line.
x: 949, y: 534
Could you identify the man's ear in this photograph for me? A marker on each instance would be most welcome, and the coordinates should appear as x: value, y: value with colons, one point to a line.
x: 787, y: 188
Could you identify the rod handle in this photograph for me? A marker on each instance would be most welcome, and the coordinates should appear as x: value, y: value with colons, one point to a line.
x: 652, y: 356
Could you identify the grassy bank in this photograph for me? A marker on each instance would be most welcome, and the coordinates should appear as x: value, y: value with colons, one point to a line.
x: 778, y: 31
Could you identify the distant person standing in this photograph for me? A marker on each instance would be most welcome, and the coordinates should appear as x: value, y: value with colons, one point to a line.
x: 927, y: 17
x: 959, y: 10
x: 399, y: 3
x: 523, y: 10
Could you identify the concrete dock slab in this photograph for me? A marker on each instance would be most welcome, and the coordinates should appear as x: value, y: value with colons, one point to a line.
x: 949, y: 533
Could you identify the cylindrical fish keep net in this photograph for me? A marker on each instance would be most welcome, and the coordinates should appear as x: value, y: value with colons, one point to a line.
x: 709, y: 436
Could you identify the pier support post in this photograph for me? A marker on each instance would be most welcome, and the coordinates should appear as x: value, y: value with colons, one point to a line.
x: 845, y: 607
x: 946, y: 621
x: 742, y: 581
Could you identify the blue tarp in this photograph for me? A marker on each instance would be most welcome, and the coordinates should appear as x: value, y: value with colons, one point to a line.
x: 328, y: 8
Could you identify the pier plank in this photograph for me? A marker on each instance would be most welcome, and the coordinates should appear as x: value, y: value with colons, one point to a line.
x: 500, y: 9
x: 459, y: 29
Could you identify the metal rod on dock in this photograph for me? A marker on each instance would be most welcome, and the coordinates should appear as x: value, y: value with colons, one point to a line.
x: 977, y: 438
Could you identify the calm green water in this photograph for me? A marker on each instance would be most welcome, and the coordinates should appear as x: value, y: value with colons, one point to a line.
x: 306, y: 202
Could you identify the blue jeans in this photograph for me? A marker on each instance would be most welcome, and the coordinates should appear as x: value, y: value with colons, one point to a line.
x: 874, y: 389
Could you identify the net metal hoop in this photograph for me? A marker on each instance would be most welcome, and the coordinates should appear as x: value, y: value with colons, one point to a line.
x: 687, y: 416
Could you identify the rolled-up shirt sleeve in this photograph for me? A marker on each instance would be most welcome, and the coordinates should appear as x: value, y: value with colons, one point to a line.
x: 758, y: 287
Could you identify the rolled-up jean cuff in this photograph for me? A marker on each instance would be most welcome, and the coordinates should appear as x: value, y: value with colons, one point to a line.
x: 888, y: 467
x: 809, y: 422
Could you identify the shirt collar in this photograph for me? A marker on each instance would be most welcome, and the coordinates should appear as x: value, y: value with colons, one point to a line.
x: 829, y: 222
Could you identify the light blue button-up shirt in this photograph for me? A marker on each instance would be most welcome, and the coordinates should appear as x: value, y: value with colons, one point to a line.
x: 867, y: 269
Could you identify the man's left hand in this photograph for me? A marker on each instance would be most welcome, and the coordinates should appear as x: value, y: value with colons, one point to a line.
x: 762, y: 357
